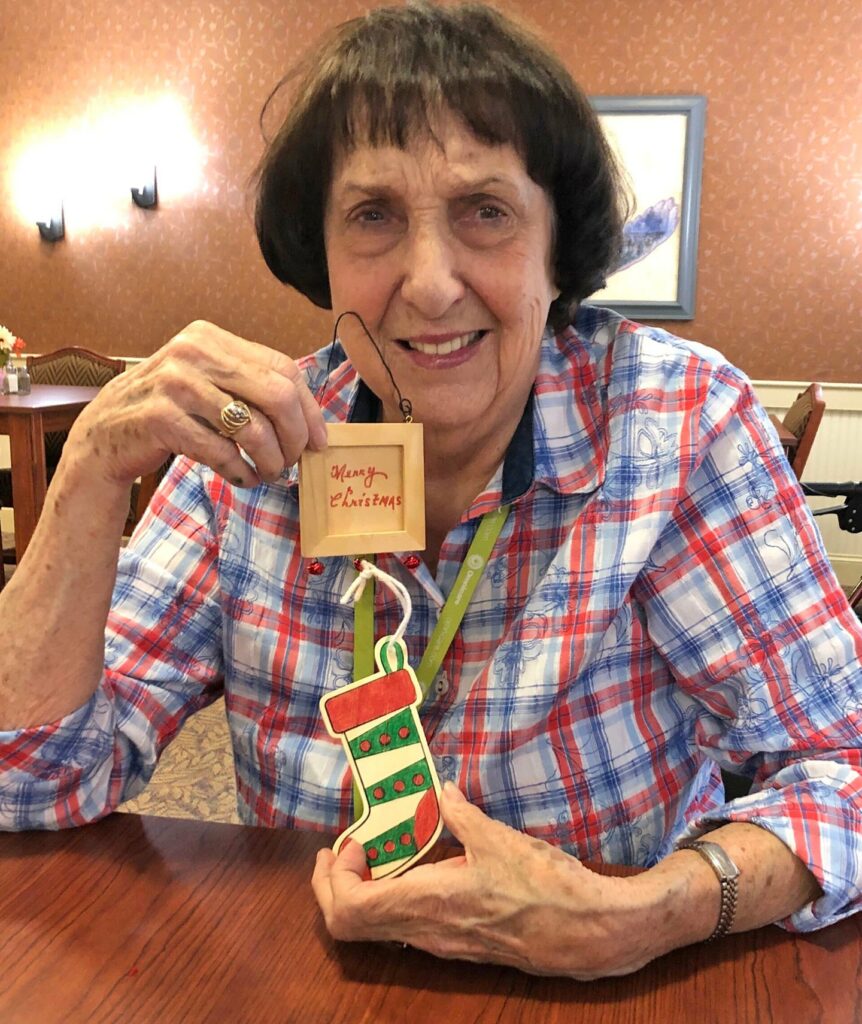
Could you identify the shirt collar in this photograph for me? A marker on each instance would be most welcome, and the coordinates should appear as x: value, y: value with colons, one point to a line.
x: 559, y: 442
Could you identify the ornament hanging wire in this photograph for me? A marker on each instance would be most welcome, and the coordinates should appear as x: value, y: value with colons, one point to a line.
x: 404, y: 404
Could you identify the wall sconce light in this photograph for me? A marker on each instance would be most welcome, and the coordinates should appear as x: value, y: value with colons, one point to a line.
x: 54, y: 227
x: 147, y: 196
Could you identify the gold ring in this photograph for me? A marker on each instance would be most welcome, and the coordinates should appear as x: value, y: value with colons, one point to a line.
x: 234, y: 416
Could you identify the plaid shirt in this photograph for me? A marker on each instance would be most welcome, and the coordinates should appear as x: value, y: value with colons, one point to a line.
x: 658, y: 604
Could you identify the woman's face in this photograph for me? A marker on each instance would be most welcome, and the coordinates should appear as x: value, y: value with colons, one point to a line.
x: 444, y: 249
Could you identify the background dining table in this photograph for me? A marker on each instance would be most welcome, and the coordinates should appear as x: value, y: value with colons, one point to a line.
x: 26, y: 419
x: 142, y: 920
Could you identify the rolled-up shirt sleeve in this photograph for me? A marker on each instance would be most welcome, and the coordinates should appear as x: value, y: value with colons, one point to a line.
x: 163, y: 662
x: 741, y: 600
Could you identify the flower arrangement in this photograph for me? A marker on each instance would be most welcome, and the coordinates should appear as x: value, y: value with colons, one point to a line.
x: 9, y: 345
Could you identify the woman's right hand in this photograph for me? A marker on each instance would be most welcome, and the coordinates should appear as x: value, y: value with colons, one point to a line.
x: 171, y: 404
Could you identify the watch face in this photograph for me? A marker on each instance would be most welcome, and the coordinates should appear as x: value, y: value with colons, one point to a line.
x: 718, y: 858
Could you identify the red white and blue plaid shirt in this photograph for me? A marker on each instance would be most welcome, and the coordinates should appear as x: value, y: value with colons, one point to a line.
x: 658, y: 604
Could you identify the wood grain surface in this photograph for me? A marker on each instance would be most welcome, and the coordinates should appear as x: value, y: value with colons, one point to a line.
x: 148, y: 920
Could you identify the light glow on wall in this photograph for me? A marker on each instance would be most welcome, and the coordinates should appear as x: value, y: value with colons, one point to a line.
x: 91, y: 164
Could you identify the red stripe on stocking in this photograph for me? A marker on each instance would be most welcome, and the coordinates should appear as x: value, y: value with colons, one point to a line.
x: 371, y: 700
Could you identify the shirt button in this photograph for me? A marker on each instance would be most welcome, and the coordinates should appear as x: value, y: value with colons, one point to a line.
x: 442, y: 684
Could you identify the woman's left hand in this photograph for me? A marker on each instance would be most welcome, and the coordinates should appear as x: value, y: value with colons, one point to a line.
x: 510, y: 899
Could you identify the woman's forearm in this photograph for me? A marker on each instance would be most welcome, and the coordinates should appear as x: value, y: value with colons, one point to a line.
x: 56, y: 605
x: 58, y: 600
x: 684, y: 894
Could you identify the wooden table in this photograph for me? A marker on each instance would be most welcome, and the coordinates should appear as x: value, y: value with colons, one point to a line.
x: 149, y: 920
x: 26, y: 419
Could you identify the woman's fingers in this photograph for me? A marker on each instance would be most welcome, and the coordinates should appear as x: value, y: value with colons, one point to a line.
x: 338, y: 884
x: 172, y: 403
x: 259, y: 376
x: 475, y: 831
x: 202, y: 444
x: 257, y: 438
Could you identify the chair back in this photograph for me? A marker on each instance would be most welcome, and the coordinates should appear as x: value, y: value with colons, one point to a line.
x: 70, y: 367
x: 74, y: 367
x: 802, y: 419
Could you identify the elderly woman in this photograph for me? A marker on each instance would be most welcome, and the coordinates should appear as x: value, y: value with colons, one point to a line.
x: 657, y: 606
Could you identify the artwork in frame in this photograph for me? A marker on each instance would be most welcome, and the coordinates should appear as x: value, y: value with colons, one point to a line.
x: 659, y: 142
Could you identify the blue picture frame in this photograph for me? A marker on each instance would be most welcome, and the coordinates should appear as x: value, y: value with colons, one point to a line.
x: 644, y: 229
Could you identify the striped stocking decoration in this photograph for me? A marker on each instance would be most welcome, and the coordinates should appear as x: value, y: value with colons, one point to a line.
x: 377, y: 721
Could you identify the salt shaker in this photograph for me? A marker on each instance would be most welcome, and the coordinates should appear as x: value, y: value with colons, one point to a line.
x: 10, y: 384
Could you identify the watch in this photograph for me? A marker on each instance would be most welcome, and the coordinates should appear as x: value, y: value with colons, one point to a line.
x: 727, y: 873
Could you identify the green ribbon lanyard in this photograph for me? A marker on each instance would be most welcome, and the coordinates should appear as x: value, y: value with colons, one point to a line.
x: 450, y: 619
x: 451, y: 614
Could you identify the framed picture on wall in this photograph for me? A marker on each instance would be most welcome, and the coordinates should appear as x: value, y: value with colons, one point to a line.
x: 659, y: 142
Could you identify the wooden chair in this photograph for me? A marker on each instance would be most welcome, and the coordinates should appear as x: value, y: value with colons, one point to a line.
x: 855, y: 599
x: 802, y: 419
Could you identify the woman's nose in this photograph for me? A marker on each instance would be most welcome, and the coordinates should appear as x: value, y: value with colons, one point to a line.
x: 432, y: 281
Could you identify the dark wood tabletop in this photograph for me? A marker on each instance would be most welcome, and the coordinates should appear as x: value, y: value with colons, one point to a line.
x: 46, y: 397
x: 26, y: 419
x: 139, y: 919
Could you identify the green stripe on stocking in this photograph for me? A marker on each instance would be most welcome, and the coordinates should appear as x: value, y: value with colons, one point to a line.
x: 399, y: 730
x: 395, y: 844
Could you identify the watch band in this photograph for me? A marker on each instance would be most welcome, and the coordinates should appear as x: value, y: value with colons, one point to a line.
x: 727, y: 873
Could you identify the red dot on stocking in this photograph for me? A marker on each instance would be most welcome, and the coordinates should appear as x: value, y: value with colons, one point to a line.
x: 385, y: 739
x: 379, y: 793
x: 406, y: 839
x: 365, y: 746
x: 398, y: 786
x: 371, y: 854
x: 412, y: 561
x: 403, y: 732
x: 389, y: 845
x: 357, y: 564
x: 418, y: 779
x: 315, y: 568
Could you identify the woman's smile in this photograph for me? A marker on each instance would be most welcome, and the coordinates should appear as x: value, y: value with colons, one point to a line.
x: 442, y: 351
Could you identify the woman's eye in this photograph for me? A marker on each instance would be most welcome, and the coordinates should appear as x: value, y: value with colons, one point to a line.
x: 369, y: 215
x: 490, y: 212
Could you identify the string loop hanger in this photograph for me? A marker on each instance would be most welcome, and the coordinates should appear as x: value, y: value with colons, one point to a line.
x: 369, y: 571
x: 404, y: 404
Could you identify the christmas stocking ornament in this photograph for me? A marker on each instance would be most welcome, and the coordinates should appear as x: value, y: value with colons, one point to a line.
x: 377, y: 721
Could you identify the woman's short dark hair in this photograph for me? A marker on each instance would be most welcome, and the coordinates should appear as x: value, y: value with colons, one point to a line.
x: 381, y: 78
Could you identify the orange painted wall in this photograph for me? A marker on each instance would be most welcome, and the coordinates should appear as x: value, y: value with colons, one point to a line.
x: 780, y: 256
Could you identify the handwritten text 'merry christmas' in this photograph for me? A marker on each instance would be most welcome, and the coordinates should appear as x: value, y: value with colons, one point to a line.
x: 363, y: 488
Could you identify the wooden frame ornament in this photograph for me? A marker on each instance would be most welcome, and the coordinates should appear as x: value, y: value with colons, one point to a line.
x: 365, y: 493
